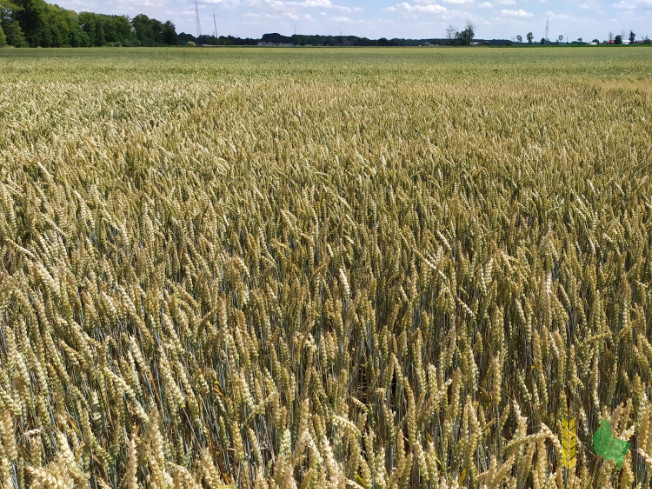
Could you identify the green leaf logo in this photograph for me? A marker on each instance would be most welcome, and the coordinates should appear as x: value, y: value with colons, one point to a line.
x: 607, y: 446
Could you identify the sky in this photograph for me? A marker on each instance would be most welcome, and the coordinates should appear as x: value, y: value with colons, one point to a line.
x: 497, y: 19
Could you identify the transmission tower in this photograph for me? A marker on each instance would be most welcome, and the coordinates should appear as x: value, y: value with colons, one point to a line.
x: 215, y: 24
x: 197, y: 19
x: 547, y: 29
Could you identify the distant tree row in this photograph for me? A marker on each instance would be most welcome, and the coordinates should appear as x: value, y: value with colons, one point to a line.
x: 275, y: 39
x: 612, y: 40
x: 36, y: 23
x: 632, y: 38
x: 208, y: 40
x: 320, y: 40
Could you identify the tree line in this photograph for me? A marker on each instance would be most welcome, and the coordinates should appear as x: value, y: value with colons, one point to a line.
x: 462, y: 38
x: 276, y: 39
x: 36, y: 23
x: 612, y: 40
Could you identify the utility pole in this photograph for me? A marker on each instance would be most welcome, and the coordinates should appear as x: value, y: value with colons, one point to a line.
x: 215, y: 24
x: 198, y: 26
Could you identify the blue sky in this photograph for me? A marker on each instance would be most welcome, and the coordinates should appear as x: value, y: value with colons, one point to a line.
x: 394, y: 18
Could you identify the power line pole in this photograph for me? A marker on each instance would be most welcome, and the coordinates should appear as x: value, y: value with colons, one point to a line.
x: 198, y: 26
x: 215, y: 24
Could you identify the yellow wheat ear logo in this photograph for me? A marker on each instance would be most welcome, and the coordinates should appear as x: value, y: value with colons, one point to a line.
x: 568, y: 443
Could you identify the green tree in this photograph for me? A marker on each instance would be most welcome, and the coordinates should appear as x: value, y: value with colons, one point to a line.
x: 530, y: 37
x: 9, y: 23
x: 3, y: 37
x: 170, y: 34
x: 142, y: 30
x: 519, y: 38
x: 118, y: 30
x: 466, y: 36
x: 152, y: 32
x: 618, y: 39
x: 76, y: 37
x: 32, y: 19
x: 107, y: 29
x: 632, y: 37
x: 156, y: 28
x: 91, y: 26
x: 45, y: 25
x: 15, y: 35
x: 56, y: 28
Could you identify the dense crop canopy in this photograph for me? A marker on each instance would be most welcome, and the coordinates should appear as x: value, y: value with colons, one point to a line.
x: 324, y: 268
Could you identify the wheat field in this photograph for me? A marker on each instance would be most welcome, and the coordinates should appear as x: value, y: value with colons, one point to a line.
x: 322, y: 268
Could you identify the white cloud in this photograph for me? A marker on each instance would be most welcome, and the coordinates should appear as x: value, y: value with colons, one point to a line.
x: 560, y: 17
x: 634, y: 4
x: 505, y: 2
x: 225, y: 3
x: 316, y: 3
x: 458, y: 2
x: 516, y: 13
x: 293, y: 5
x: 429, y: 8
x: 485, y: 5
x: 297, y: 17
